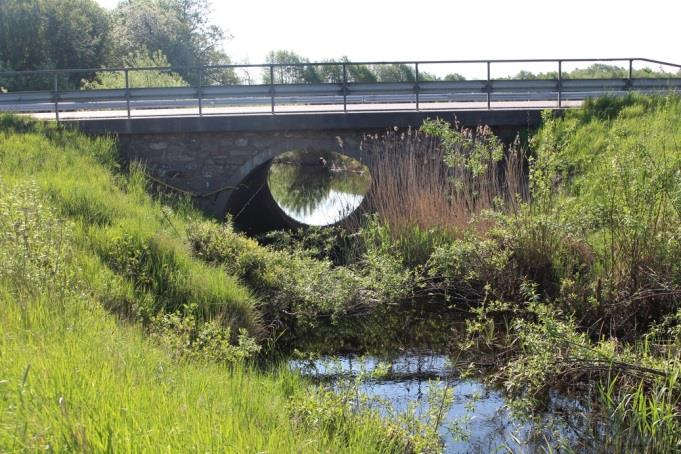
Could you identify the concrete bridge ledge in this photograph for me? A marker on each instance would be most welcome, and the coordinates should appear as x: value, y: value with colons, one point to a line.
x: 223, y: 160
x: 303, y: 121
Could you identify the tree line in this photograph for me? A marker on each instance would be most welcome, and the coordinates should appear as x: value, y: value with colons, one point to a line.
x: 67, y: 34
x: 309, y: 72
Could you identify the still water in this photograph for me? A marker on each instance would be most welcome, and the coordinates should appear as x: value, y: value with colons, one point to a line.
x: 478, y: 419
x: 318, y: 194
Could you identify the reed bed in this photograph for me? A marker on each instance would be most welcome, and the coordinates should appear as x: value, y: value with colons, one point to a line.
x: 420, y: 180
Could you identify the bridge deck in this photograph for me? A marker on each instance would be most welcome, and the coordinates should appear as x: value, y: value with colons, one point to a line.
x: 305, y: 121
x: 292, y: 95
x: 209, y: 110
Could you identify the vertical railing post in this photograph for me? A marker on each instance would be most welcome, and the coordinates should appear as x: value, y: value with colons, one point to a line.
x: 489, y: 87
x: 56, y: 96
x: 417, y: 88
x: 345, y: 89
x: 631, y: 73
x: 127, y: 91
x: 200, y: 91
x: 560, y: 84
x: 272, y: 86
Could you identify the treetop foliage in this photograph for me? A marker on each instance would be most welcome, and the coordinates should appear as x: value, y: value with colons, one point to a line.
x: 66, y: 34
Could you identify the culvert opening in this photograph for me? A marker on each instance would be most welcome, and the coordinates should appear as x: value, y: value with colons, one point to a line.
x: 298, y: 189
x: 317, y: 188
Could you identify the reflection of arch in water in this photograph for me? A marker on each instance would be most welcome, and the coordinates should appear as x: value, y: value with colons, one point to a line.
x: 252, y: 205
x: 298, y: 188
x: 318, y: 190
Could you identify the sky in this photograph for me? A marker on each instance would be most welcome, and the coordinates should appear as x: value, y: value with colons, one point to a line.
x: 378, y: 30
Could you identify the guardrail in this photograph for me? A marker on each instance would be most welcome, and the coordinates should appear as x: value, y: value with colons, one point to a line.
x: 286, y: 90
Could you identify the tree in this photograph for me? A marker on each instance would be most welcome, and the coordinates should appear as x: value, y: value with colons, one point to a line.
x: 333, y: 73
x: 22, y: 30
x: 353, y: 73
x: 598, y: 71
x: 394, y: 73
x: 361, y: 74
x: 180, y: 29
x: 57, y: 34
x: 298, y: 73
x: 77, y: 34
x: 138, y: 79
x: 454, y: 77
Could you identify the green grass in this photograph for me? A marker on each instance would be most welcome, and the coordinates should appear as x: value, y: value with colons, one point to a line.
x: 129, y: 233
x: 73, y: 379
x: 85, y: 254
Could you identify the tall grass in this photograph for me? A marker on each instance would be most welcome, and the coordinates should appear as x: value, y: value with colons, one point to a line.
x: 78, y: 240
x: 431, y: 186
x: 440, y: 178
x: 121, y: 230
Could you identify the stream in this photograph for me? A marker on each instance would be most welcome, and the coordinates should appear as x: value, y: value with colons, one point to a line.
x: 478, y: 419
x: 313, y: 191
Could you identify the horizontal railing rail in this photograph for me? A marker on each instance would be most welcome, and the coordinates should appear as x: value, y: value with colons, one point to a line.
x: 275, y: 90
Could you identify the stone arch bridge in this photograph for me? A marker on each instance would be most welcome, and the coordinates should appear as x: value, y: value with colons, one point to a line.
x: 223, y: 161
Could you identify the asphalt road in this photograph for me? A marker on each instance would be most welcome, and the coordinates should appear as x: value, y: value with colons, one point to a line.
x: 299, y: 104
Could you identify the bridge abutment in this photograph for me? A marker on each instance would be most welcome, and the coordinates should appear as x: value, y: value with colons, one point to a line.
x: 212, y: 167
x: 213, y: 158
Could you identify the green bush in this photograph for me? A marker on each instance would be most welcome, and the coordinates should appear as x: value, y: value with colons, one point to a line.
x: 286, y: 282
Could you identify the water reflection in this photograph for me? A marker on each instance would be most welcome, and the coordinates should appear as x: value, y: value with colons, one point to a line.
x: 478, y: 419
x: 316, y: 190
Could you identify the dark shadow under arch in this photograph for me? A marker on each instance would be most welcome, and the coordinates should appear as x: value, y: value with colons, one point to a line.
x: 251, y: 204
x: 253, y: 208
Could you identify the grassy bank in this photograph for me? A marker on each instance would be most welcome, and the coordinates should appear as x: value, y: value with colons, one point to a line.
x: 132, y: 321
x: 116, y: 338
x: 573, y: 285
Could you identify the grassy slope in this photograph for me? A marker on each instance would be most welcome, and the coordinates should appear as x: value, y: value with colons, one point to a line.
x: 73, y: 377
x: 617, y: 166
x: 607, y: 195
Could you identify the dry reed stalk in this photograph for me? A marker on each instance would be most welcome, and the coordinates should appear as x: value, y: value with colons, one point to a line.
x: 412, y: 185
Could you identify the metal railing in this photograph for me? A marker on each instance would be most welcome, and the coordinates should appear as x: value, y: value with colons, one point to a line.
x: 285, y: 88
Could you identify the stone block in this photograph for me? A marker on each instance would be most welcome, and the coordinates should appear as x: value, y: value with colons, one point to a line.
x: 157, y: 146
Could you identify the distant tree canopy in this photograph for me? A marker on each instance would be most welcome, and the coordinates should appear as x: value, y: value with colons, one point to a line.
x: 66, y: 34
x: 353, y: 73
x: 294, y: 74
x: 180, y: 29
x: 303, y: 71
x: 44, y: 34
x: 596, y: 71
x: 394, y: 73
x: 309, y: 72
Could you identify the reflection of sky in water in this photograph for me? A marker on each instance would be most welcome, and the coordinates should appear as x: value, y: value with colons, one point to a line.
x: 481, y: 412
x: 332, y: 208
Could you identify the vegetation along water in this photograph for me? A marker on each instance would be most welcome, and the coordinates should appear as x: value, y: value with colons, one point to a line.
x: 518, y: 295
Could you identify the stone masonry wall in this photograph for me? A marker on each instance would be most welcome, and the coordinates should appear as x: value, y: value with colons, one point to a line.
x: 205, y: 163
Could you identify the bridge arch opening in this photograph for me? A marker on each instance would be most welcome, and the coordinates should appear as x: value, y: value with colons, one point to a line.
x: 299, y: 188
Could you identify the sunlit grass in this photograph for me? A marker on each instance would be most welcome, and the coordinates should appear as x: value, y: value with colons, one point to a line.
x: 84, y: 252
